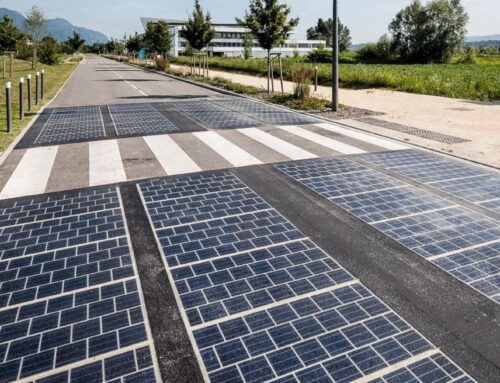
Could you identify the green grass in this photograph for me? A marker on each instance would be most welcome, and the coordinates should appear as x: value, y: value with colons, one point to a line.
x: 55, y: 76
x: 479, y: 81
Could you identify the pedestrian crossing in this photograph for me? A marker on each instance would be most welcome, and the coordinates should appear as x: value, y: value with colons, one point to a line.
x: 56, y: 168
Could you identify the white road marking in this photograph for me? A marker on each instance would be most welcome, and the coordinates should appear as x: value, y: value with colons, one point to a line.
x: 32, y: 173
x: 229, y: 151
x: 439, y: 256
x: 363, y: 137
x: 414, y: 214
x: 105, y: 163
x: 322, y: 140
x: 277, y: 144
x: 172, y: 158
x: 126, y: 81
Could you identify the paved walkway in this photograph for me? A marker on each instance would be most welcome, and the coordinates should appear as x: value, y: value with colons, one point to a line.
x: 475, y: 122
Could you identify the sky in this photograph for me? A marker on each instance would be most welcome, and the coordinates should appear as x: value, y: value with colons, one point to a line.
x: 367, y: 19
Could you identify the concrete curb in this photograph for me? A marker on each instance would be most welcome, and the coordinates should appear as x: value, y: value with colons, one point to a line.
x: 13, y: 144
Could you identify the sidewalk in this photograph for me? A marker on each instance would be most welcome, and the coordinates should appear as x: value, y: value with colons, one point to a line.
x: 475, y: 122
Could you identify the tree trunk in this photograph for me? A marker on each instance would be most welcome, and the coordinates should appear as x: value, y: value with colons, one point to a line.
x: 33, y: 64
x: 268, y: 71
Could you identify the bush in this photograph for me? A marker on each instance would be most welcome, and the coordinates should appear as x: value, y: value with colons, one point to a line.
x: 379, y: 52
x: 368, y: 52
x: 301, y: 77
x: 47, y: 51
x: 470, y: 56
x: 162, y: 64
x: 24, y: 51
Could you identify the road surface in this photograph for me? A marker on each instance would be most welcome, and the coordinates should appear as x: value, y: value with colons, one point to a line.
x: 152, y: 229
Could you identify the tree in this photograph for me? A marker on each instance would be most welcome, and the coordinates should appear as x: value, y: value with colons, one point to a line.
x: 198, y: 30
x: 247, y: 45
x: 134, y: 43
x: 9, y: 35
x: 324, y: 31
x: 75, y: 41
x: 110, y: 46
x: 158, y: 38
x: 35, y: 26
x: 48, y: 50
x: 433, y: 32
x: 268, y: 21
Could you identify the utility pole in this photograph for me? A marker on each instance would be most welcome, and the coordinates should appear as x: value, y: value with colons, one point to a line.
x: 335, y: 58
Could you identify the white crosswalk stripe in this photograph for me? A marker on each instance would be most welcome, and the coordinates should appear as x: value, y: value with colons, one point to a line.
x: 281, y: 146
x: 338, y: 146
x: 226, y: 149
x: 172, y: 158
x: 105, y: 163
x: 31, y: 174
x: 371, y: 139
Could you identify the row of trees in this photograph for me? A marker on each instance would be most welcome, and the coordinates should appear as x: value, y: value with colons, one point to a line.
x: 34, y: 43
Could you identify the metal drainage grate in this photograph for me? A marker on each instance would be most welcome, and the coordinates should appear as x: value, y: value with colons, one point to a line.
x: 439, y: 137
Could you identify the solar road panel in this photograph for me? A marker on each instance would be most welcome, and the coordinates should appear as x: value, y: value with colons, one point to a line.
x: 433, y: 227
x: 132, y: 119
x: 459, y: 180
x: 215, y: 116
x: 72, y: 124
x: 279, y: 308
x: 266, y: 113
x: 70, y: 301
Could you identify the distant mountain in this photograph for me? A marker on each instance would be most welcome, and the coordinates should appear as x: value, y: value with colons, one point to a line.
x: 357, y: 47
x: 475, y: 39
x: 60, y: 29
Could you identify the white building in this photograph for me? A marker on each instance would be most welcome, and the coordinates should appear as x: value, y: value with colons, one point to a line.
x: 228, y: 41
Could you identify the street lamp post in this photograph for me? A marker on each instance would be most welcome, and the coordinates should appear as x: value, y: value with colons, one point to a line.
x: 335, y: 58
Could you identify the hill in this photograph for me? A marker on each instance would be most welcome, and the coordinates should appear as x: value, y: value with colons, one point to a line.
x: 477, y: 39
x: 58, y: 28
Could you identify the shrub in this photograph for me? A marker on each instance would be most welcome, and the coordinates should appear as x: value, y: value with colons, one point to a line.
x: 47, y: 51
x: 162, y: 64
x: 301, y: 77
x: 368, y: 52
x: 470, y: 56
x: 24, y: 51
x: 379, y: 52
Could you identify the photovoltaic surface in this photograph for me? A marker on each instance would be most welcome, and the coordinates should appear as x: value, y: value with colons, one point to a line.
x: 468, y: 183
x: 132, y: 119
x: 70, y: 302
x: 72, y: 124
x: 277, y: 308
x: 215, y: 116
x: 459, y: 240
x: 266, y: 113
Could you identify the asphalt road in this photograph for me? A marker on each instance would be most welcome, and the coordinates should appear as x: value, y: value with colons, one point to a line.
x: 144, y: 188
x: 102, y: 82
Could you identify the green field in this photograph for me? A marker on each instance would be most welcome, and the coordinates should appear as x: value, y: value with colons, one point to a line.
x: 479, y: 81
x: 55, y: 76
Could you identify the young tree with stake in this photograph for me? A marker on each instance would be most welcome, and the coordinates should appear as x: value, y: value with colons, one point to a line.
x: 198, y: 30
x: 35, y: 26
x: 268, y: 21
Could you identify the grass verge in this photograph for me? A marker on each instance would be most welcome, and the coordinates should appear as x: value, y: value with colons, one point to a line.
x: 479, y: 81
x: 55, y: 76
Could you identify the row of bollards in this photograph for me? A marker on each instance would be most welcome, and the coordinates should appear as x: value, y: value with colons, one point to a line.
x: 39, y: 94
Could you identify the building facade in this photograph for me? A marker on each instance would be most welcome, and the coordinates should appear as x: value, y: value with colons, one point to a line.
x: 228, y: 41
